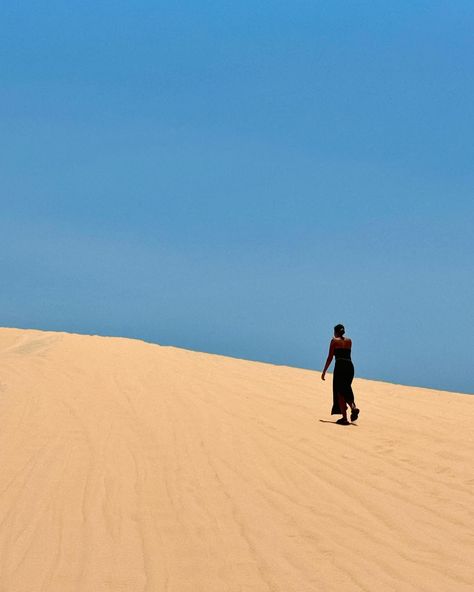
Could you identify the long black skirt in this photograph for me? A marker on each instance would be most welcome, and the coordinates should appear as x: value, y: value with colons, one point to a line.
x: 341, y: 384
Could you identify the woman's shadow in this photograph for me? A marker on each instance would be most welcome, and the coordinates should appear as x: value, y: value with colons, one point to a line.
x: 335, y: 422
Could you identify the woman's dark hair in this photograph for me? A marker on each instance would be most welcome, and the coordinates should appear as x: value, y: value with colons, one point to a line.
x: 339, y: 330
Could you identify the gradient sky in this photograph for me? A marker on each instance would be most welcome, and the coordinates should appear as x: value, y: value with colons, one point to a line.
x: 238, y: 177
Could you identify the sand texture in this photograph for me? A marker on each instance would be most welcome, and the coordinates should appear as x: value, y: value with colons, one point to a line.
x: 131, y: 467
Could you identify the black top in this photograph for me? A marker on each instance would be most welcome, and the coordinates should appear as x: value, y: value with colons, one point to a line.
x: 342, y: 353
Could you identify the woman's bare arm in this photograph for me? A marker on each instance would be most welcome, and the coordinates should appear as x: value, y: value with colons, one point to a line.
x: 329, y: 359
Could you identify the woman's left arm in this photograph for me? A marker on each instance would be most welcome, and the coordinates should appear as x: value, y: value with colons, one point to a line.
x: 329, y: 359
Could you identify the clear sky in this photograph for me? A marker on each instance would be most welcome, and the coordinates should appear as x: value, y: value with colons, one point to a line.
x: 238, y: 177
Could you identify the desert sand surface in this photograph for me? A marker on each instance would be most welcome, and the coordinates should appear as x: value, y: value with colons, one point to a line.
x: 132, y: 467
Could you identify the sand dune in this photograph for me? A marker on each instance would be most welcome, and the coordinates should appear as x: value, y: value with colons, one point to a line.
x: 127, y: 467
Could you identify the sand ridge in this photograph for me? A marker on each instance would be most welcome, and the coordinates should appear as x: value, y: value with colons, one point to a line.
x: 132, y: 467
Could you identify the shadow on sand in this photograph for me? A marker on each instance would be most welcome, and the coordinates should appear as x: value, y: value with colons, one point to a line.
x: 335, y: 423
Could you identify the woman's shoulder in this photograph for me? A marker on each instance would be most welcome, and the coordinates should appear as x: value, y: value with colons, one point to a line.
x: 342, y: 341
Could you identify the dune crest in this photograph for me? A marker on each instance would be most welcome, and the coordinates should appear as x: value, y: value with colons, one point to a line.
x: 132, y: 467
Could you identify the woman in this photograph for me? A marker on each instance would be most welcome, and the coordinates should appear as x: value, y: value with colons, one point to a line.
x: 342, y: 394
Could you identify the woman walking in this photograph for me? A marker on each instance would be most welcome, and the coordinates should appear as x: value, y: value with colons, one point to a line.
x: 340, y: 348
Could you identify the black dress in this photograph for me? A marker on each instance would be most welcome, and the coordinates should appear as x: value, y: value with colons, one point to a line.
x: 342, y: 379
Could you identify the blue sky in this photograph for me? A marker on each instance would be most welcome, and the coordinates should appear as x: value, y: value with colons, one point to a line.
x: 239, y: 177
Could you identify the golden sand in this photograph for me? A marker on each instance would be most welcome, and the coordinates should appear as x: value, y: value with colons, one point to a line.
x: 131, y: 467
